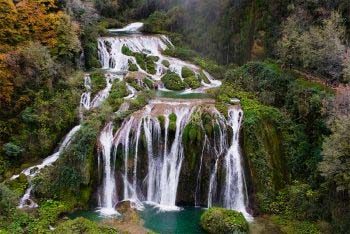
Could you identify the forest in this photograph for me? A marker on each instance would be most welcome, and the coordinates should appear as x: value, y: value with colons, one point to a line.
x: 248, y: 101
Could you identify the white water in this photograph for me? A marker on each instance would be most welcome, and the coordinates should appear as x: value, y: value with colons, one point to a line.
x: 34, y: 170
x: 112, y: 58
x: 235, y: 193
x: 165, y: 157
x: 85, y: 100
x: 109, y: 188
x: 164, y: 154
x: 26, y: 201
x: 131, y: 28
x: 103, y: 94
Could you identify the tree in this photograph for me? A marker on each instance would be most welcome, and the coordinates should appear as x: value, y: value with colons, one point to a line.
x: 318, y: 48
x: 8, y: 33
x: 335, y: 166
x: 322, y: 48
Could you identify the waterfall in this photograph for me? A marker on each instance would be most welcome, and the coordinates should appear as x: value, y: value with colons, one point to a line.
x: 235, y: 192
x: 85, y: 100
x: 26, y: 201
x: 148, y: 146
x: 163, y: 165
x: 109, y: 188
x: 113, y: 60
x: 165, y: 154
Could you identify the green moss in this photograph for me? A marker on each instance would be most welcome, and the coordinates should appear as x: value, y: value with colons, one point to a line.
x: 187, y: 72
x: 148, y: 82
x: 133, y: 82
x: 150, y: 65
x: 203, y: 77
x: 153, y: 58
x: 289, y: 226
x: 98, y: 81
x: 147, y: 63
x: 118, y: 92
x: 140, y: 59
x: 82, y: 225
x: 161, y: 119
x: 166, y: 63
x: 18, y: 185
x: 173, y: 82
x: 172, y: 122
x: 133, y: 66
x: 141, y: 100
x: 126, y: 51
x: 220, y: 221
x: 192, y: 82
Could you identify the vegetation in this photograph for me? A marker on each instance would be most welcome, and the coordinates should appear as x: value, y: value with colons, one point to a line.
x: 82, y: 225
x: 173, y: 82
x: 287, y: 62
x: 219, y: 220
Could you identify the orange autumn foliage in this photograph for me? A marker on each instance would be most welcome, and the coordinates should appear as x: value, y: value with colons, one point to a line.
x: 39, y: 21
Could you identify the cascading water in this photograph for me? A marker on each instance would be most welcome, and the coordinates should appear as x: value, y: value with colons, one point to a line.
x: 108, y: 199
x: 112, y: 58
x: 26, y: 201
x: 235, y: 192
x: 31, y: 172
x: 148, y: 147
x: 165, y: 154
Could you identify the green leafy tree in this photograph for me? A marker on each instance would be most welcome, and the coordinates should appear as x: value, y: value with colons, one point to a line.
x: 335, y: 166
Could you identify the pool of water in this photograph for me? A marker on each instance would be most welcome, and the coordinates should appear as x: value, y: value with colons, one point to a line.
x: 185, y: 220
x: 88, y: 214
x: 181, y: 95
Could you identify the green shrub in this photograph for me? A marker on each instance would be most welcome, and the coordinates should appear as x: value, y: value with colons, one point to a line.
x: 187, y: 72
x: 18, y: 185
x: 173, y: 82
x: 166, y: 63
x: 132, y: 66
x: 150, y: 65
x: 82, y: 225
x: 126, y: 51
x: 172, y: 122
x: 203, y: 77
x: 181, y: 53
x: 12, y: 150
x: 148, y: 82
x: 192, y: 82
x: 118, y: 92
x: 140, y: 59
x: 98, y: 81
x: 153, y: 58
x: 222, y: 221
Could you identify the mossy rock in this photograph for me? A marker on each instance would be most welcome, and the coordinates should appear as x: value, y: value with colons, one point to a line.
x: 126, y: 51
x: 153, y: 58
x: 219, y: 220
x: 173, y: 82
x: 186, y: 72
x: 132, y: 66
x: 149, y: 83
x: 192, y: 82
x: 98, y: 81
x: 172, y: 122
x: 151, y: 66
x: 203, y: 77
x: 133, y: 83
x: 166, y: 63
x: 82, y: 225
x: 140, y: 59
